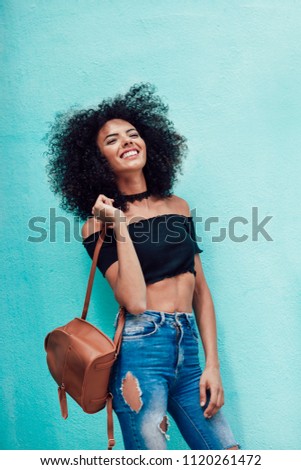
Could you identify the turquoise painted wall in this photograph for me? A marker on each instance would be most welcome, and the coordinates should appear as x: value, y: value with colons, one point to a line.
x: 230, y: 72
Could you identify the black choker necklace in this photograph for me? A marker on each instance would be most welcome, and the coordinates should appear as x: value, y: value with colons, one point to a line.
x: 136, y: 197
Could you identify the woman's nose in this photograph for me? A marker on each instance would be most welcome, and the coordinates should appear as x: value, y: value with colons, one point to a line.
x: 126, y: 141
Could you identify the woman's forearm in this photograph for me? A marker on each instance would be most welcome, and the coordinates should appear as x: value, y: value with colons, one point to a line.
x: 205, y: 316
x: 130, y: 288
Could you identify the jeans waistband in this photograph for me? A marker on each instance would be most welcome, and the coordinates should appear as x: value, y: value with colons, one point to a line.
x: 165, y: 315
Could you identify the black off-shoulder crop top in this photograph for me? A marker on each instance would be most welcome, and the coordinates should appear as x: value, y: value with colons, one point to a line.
x: 165, y: 246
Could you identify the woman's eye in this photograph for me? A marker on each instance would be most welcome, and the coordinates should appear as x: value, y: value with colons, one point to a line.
x: 112, y: 141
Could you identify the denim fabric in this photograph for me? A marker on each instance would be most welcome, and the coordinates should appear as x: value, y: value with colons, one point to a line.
x: 159, y: 363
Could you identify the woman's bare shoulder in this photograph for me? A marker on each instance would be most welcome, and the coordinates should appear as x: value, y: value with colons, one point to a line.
x: 179, y: 206
x: 91, y: 225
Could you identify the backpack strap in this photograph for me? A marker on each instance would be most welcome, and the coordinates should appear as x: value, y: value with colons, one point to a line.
x: 110, y: 425
x: 92, y: 273
x: 117, y: 342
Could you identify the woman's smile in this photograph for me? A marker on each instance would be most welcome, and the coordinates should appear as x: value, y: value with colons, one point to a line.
x: 129, y: 153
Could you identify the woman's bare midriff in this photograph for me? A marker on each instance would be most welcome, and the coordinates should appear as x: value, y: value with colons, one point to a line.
x: 171, y: 294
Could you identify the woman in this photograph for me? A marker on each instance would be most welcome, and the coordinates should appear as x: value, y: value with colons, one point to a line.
x: 119, y: 163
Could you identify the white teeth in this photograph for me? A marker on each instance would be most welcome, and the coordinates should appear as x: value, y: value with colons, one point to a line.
x: 129, y: 154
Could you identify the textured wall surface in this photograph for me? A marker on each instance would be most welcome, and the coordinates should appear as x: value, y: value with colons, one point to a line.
x: 230, y: 72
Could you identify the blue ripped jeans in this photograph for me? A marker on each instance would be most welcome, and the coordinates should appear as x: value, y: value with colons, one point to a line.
x: 157, y: 371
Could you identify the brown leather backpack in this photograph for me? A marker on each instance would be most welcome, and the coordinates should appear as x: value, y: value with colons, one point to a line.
x: 80, y: 358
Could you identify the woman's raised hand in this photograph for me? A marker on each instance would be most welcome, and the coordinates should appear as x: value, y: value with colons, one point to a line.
x: 103, y: 209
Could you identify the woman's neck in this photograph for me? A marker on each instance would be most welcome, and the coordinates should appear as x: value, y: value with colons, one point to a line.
x: 133, y: 184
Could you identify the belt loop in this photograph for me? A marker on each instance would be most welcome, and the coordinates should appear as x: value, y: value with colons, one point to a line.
x: 162, y: 317
x: 177, y: 318
x: 188, y: 318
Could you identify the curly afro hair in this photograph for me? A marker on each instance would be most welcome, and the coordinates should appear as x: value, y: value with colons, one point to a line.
x: 77, y: 170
